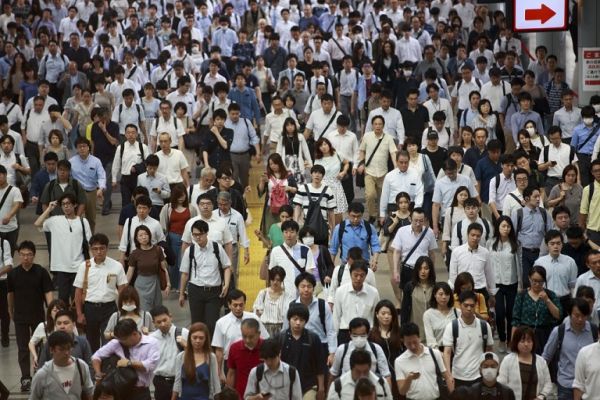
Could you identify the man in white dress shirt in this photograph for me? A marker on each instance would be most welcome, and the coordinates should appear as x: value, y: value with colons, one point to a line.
x: 496, y: 89
x: 437, y: 103
x: 501, y: 185
x: 407, y: 47
x: 172, y: 161
x: 166, y: 122
x: 127, y: 162
x: 401, y: 179
x: 567, y: 117
x: 439, y: 127
x: 394, y: 126
x: 322, y: 121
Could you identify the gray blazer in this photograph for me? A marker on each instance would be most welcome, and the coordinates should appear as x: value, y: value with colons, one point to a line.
x: 64, y: 84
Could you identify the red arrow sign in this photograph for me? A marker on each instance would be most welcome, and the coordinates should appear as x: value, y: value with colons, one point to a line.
x: 543, y: 14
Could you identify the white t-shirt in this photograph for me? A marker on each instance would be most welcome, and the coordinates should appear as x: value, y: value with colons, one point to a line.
x: 14, y: 196
x: 171, y: 165
x: 65, y: 376
x: 66, y: 246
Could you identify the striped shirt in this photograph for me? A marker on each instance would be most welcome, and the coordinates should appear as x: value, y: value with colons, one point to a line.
x: 303, y: 198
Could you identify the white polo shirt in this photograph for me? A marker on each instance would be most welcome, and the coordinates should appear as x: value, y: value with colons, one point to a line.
x: 171, y: 165
x: 66, y: 246
x: 228, y: 330
x: 405, y: 240
x: 173, y: 128
x: 426, y: 386
x: 14, y: 196
x: 103, y: 280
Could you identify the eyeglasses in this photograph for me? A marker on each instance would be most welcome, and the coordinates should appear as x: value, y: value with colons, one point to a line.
x: 468, y: 305
x: 197, y: 235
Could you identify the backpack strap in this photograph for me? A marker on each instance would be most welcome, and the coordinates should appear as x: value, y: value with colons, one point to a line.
x: 218, y: 256
x: 484, y: 333
x: 260, y: 370
x: 346, y: 345
x: 546, y: 151
x: 340, y: 274
x: 454, y: 334
x: 292, y: 375
x: 80, y: 372
x: 178, y: 331
x: 459, y: 232
x: 486, y: 225
x: 342, y: 229
x: 321, y: 304
x: 374, y: 350
x: 497, y: 181
x: 337, y: 385
x: 519, y: 220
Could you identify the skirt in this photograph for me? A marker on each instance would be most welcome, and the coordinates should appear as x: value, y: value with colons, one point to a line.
x: 273, y: 329
x: 148, y: 288
x: 338, y: 194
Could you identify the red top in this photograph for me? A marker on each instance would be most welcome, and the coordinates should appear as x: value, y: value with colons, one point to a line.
x: 242, y: 360
x: 177, y: 220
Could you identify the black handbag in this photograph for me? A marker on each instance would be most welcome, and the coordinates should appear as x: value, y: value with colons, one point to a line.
x: 169, y: 253
x: 123, y: 379
x: 193, y: 140
x: 441, y: 382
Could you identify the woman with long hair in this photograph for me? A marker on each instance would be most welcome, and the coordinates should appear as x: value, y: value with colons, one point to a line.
x: 525, y: 372
x: 28, y: 87
x: 271, y: 302
x: 388, y: 64
x: 336, y: 170
x: 147, y: 260
x: 466, y: 138
x: 386, y: 333
x: 506, y: 261
x: 417, y: 293
x: 359, y: 56
x: 197, y: 376
x: 294, y: 150
x: 464, y: 282
x: 452, y: 215
x: 440, y: 312
x: 15, y: 76
x: 525, y: 144
x: 538, y: 308
x: 567, y: 193
x: 44, y: 329
x: 173, y: 217
x: 421, y: 164
x: 276, y: 183
x: 535, y: 136
x: 323, y: 262
x: 128, y: 304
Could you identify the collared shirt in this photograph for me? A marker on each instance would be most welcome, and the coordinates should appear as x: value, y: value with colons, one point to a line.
x: 117, y: 88
x: 394, y: 126
x: 319, y: 122
x: 277, y: 383
x: 378, y: 360
x: 237, y: 226
x: 532, y: 226
x: 274, y: 124
x: 497, y: 195
x: 218, y: 231
x: 589, y: 279
x: 8, y: 160
x: 567, y: 120
x: 426, y: 386
x: 103, y: 280
x: 129, y: 157
x: 518, y: 120
x: 495, y: 94
x: 408, y: 50
x: 561, y: 273
x: 244, y: 135
x: 562, y: 156
x: 397, y: 181
x: 147, y: 351
x: 228, y: 330
x: 278, y: 257
x: 580, y: 134
x: 469, y: 348
x: 187, y: 99
x: 171, y: 165
x: 48, y: 126
x: 477, y: 263
x: 510, y: 204
x: 444, y: 190
x: 15, y: 115
x: 52, y: 66
x: 462, y: 92
x: 347, y: 81
x: 340, y: 47
x: 158, y: 181
x: 361, y: 89
x: 246, y: 99
x: 345, y: 145
x: 460, y: 238
x: 225, y: 39
x: 406, y: 239
x: 350, y: 303
x: 587, y: 376
x: 348, y: 387
x: 441, y: 105
x: 89, y: 172
x: 129, y: 228
x: 172, y: 127
x: 167, y: 367
x: 590, y: 208
x: 572, y: 345
x: 32, y: 124
x: 379, y: 163
x: 354, y: 236
x: 204, y: 270
x: 13, y: 197
x: 314, y: 324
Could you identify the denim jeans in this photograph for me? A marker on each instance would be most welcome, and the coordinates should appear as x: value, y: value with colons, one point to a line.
x: 175, y: 243
x: 564, y: 393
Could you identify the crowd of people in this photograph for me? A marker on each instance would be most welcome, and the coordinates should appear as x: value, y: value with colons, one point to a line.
x: 470, y: 147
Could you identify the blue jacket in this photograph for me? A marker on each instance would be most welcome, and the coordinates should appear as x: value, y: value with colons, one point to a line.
x: 39, y: 181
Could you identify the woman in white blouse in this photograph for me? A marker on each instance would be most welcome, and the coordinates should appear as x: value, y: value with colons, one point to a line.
x: 485, y: 119
x: 440, y: 313
x: 453, y: 214
x: 525, y: 372
x: 271, y: 302
x: 293, y: 149
x: 506, y: 261
x: 421, y: 164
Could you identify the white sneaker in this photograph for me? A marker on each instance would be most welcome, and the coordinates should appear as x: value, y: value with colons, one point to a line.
x: 502, y: 347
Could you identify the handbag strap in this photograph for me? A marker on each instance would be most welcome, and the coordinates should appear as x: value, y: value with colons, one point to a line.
x: 410, y: 253
x: 590, y: 136
x: 85, y: 285
x: 328, y: 125
x: 373, y: 153
x: 438, y: 371
x: 292, y: 259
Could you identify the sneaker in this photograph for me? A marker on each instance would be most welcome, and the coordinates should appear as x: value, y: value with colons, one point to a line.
x: 5, y: 341
x: 25, y: 384
x: 502, y: 347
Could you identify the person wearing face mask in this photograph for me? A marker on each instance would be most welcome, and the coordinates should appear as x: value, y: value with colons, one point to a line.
x: 342, y: 362
x: 348, y: 386
x: 403, y: 84
x: 128, y: 308
x: 489, y: 388
x: 585, y: 136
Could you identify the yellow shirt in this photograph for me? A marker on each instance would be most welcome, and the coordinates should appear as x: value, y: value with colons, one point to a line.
x: 88, y: 131
x: 480, y: 306
x: 593, y: 219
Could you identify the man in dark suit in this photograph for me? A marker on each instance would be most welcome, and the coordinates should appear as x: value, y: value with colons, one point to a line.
x: 69, y: 78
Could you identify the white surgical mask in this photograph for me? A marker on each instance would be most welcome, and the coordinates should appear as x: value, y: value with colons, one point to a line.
x: 407, y: 73
x: 531, y: 131
x: 308, y: 240
x: 596, y: 107
x: 129, y: 307
x: 489, y: 374
x: 588, y: 121
x: 195, y: 50
x: 359, y: 342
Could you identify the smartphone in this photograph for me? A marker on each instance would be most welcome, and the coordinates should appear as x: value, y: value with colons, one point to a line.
x: 155, y: 189
x: 553, y: 163
x: 265, y: 395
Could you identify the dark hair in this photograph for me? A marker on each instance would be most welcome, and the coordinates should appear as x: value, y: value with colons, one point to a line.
x: 137, y: 230
x: 290, y: 225
x: 106, y: 387
x: 27, y: 245
x: 585, y: 292
x: 375, y: 334
x: 359, y: 265
x: 56, y: 303
x: 536, y: 269
x: 59, y: 338
x: 568, y: 169
x: 99, y: 238
x: 466, y: 295
x: 364, y: 386
x: 462, y: 279
x: 520, y: 333
x: 69, y: 196
x: 447, y: 289
x: 276, y: 158
x: 582, y: 305
x: 512, y: 236
x: 159, y: 310
x: 270, y: 348
x: 409, y: 329
x: 125, y: 328
x: 360, y: 357
x: 415, y: 275
x: 459, y: 190
x: 318, y: 153
x: 298, y: 310
x: 357, y: 323
x: 356, y: 207
x: 234, y: 295
x: 305, y: 276
x: 64, y: 313
x: 277, y: 271
x: 228, y: 393
x: 143, y: 201
x: 201, y: 226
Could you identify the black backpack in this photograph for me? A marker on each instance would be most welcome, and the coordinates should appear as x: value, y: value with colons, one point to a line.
x: 486, y: 226
x: 373, y: 349
x: 342, y: 230
x: 337, y: 385
x: 314, y: 217
x: 484, y: 333
x: 553, y: 363
x: 260, y: 371
x: 321, y: 305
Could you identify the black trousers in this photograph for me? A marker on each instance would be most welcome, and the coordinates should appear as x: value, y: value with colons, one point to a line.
x: 140, y: 393
x: 128, y: 184
x: 205, y: 304
x: 163, y: 387
x: 32, y: 152
x: 343, y: 336
x: 406, y: 273
x: 348, y: 185
x: 12, y: 238
x: 23, y: 331
x: 97, y: 316
x: 584, y: 162
x: 528, y: 260
x: 4, y: 316
x: 459, y: 383
x: 64, y: 285
x: 505, y: 302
